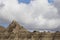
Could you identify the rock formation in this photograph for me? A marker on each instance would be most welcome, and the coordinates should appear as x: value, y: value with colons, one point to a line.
x: 2, y: 29
x: 17, y: 32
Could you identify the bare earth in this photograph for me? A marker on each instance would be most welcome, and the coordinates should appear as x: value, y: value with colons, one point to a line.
x: 17, y: 32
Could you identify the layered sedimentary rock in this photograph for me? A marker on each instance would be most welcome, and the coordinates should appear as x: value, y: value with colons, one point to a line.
x: 17, y: 32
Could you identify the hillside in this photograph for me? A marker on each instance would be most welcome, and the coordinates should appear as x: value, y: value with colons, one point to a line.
x: 17, y: 32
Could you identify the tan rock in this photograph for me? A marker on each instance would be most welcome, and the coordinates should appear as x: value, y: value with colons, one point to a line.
x: 18, y: 32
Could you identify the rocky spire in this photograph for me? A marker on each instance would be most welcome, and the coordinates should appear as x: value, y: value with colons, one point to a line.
x: 14, y: 26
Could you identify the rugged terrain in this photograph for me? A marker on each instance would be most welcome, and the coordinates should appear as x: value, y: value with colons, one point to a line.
x: 17, y: 32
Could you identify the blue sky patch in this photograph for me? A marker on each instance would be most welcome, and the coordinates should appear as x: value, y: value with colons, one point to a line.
x: 28, y: 1
x: 50, y: 1
x: 24, y: 1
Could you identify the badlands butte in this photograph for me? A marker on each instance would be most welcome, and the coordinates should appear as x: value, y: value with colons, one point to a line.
x: 17, y: 32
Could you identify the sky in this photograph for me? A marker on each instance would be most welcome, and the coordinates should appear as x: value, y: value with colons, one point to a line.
x: 32, y: 14
x: 28, y: 1
x: 24, y: 1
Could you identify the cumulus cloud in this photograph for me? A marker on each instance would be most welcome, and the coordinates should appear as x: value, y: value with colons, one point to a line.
x: 38, y: 14
x: 57, y: 5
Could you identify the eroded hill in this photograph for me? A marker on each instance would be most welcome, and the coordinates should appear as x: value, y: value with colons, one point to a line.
x: 17, y: 32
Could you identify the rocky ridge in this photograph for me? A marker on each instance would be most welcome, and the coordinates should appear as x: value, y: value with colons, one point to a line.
x: 17, y: 32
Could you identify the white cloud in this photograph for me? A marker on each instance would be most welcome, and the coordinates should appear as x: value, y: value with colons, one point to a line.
x: 38, y: 14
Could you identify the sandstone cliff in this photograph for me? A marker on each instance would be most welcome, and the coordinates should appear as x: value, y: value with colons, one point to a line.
x: 17, y: 32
